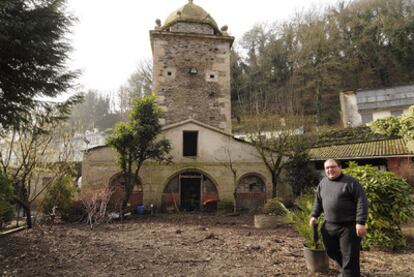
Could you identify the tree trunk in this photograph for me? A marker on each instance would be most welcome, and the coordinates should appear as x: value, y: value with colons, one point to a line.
x: 27, y: 210
x: 28, y: 213
x: 235, y: 192
x: 274, y: 185
x: 318, y: 104
x: 26, y: 207
x: 127, y: 177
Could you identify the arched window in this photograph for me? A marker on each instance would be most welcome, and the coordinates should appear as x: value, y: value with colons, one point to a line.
x: 189, y: 191
x: 250, y: 192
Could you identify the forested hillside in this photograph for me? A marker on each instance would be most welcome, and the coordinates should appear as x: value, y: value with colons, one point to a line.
x: 299, y: 67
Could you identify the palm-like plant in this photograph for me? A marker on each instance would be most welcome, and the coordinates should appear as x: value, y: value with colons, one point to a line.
x: 299, y: 218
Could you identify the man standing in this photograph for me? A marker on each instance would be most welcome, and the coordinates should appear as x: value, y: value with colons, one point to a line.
x: 343, y: 201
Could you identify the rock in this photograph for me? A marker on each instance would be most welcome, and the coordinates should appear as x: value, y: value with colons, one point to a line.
x: 211, y: 236
x: 255, y: 247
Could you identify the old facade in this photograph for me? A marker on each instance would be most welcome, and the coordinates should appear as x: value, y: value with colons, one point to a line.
x: 191, y: 76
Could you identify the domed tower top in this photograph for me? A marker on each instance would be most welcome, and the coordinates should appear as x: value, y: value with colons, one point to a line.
x: 190, y: 13
x: 191, y: 68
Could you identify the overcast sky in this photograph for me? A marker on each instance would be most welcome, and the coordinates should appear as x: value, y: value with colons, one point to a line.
x: 112, y: 36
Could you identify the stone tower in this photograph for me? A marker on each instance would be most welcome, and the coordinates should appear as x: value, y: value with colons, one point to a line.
x: 191, y: 68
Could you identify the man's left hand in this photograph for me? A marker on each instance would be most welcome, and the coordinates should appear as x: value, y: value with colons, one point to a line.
x: 361, y: 230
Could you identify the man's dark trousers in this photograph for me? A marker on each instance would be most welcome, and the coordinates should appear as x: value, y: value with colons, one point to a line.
x: 342, y: 245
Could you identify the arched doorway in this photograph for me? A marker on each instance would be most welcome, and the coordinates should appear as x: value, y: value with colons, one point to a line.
x: 190, y: 191
x: 117, y: 182
x: 250, y: 192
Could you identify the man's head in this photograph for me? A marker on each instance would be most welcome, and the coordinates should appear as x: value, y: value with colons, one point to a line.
x: 332, y: 169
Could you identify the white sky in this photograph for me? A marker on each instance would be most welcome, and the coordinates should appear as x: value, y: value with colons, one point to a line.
x: 112, y: 36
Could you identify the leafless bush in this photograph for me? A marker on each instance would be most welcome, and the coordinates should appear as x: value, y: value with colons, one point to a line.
x: 96, y: 202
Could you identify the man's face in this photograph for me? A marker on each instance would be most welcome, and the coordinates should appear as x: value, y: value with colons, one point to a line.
x: 332, y: 170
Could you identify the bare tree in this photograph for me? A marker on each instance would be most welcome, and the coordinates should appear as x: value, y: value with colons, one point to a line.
x: 96, y: 203
x: 277, y: 143
x: 139, y: 85
x: 34, y: 156
x: 229, y: 163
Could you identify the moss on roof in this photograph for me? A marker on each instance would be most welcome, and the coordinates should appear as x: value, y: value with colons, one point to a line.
x: 358, y: 142
x: 381, y: 148
x: 349, y: 136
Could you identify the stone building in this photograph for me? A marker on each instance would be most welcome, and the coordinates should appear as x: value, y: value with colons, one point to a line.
x: 191, y: 77
x: 364, y: 106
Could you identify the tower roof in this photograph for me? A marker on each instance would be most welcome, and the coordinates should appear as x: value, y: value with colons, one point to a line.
x: 190, y: 13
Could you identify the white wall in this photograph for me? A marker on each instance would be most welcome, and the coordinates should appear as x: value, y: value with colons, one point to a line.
x: 380, y: 115
x: 211, y: 146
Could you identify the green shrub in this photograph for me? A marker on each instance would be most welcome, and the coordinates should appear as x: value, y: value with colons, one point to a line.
x: 400, y: 126
x: 274, y: 206
x: 301, y: 174
x: 299, y: 218
x: 389, y: 126
x: 59, y: 197
x: 391, y: 203
x: 6, y: 200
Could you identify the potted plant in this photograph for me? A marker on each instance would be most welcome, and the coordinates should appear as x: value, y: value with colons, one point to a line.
x: 315, y: 255
x: 271, y: 214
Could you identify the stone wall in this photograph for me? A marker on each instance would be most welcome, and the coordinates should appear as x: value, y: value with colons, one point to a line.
x: 182, y: 27
x: 204, y: 94
x: 349, y: 110
x: 402, y: 167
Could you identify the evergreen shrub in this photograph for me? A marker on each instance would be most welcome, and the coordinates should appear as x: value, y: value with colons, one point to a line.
x: 391, y: 203
x: 274, y: 206
x: 299, y: 218
x: 58, y: 199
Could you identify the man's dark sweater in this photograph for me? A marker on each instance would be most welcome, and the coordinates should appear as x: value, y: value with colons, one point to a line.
x: 341, y: 200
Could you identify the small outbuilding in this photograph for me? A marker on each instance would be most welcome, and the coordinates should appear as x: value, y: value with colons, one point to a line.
x: 359, y: 145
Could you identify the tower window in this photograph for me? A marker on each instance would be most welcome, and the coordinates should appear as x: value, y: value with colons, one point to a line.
x: 169, y: 73
x: 190, y: 139
x: 193, y: 71
x: 211, y: 76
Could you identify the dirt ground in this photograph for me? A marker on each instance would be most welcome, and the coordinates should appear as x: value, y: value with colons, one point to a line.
x: 174, y: 245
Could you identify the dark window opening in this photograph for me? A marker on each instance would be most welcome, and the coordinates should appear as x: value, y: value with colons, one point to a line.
x: 169, y: 73
x: 190, y: 143
x: 253, y: 187
x: 211, y: 76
